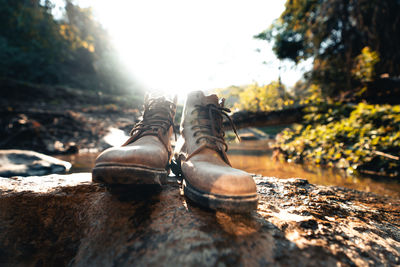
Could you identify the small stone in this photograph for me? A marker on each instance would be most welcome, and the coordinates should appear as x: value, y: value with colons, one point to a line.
x: 29, y: 163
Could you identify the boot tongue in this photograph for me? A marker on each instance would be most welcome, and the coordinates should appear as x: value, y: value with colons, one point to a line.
x: 211, y: 99
x: 160, y: 107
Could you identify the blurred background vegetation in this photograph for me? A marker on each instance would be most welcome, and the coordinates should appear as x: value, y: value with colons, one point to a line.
x: 352, y: 43
x: 350, y: 96
x: 352, y: 92
x: 73, y: 50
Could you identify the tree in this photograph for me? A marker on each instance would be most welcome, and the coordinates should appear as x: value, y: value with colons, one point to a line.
x: 334, y: 33
x: 74, y: 50
x: 253, y: 97
x: 30, y: 43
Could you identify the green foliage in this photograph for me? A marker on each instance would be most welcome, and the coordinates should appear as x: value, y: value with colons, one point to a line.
x: 30, y: 44
x: 73, y: 51
x: 230, y: 94
x: 362, y: 138
x: 253, y: 97
x: 335, y: 33
x: 364, y: 69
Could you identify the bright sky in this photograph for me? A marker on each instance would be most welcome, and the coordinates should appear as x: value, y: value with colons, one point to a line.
x: 180, y: 45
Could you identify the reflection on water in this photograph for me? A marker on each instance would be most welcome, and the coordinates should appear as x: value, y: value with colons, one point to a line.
x: 250, y: 156
x: 265, y: 165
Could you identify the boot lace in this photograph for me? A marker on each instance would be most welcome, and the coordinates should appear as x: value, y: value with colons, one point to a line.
x: 158, y: 117
x: 209, y: 128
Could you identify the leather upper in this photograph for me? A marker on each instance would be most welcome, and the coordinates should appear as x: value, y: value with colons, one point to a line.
x: 149, y: 145
x: 148, y: 152
x: 204, y: 162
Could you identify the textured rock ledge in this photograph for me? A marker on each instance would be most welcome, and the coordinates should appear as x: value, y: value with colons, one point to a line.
x: 65, y: 219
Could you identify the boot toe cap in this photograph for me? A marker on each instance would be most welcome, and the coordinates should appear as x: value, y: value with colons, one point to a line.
x: 219, y: 180
x: 134, y: 155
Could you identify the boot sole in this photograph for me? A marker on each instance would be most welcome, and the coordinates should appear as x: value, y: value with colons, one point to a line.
x: 116, y: 175
x: 234, y: 204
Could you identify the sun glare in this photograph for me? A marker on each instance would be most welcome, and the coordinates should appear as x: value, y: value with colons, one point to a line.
x: 178, y: 46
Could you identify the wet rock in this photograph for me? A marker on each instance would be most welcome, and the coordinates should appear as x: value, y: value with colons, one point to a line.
x: 29, y: 163
x: 65, y: 219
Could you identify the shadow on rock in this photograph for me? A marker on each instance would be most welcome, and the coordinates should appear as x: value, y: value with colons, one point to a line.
x: 135, y: 192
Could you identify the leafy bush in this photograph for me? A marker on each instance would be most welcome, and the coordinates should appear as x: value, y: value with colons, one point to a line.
x: 363, y: 138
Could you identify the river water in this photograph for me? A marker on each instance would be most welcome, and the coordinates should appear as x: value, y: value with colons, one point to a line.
x: 253, y: 158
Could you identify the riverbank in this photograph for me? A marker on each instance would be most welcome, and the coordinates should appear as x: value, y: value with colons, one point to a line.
x: 61, y: 120
x: 362, y: 138
x: 65, y: 121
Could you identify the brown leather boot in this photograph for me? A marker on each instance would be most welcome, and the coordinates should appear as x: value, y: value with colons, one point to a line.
x: 208, y: 178
x: 145, y: 156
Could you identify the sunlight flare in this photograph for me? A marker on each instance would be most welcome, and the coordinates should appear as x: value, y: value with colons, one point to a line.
x: 179, y: 46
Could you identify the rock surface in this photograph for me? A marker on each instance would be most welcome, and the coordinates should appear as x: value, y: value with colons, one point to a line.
x: 29, y: 163
x: 65, y: 219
